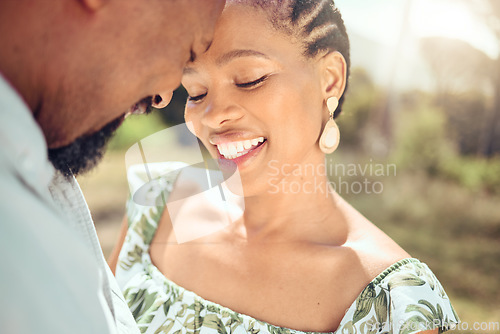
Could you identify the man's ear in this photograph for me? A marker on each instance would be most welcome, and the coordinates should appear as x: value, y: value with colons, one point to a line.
x: 93, y: 5
x: 333, y: 69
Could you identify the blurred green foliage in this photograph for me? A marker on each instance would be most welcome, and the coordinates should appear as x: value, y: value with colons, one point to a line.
x: 421, y: 141
x: 477, y: 174
x: 135, y: 128
x: 466, y: 117
x: 432, y: 134
x: 361, y: 98
x: 426, y: 141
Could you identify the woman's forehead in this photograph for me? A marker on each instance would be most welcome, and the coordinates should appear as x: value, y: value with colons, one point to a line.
x: 246, y: 32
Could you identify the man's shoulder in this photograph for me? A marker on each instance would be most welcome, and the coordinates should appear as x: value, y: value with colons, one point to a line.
x: 50, y: 280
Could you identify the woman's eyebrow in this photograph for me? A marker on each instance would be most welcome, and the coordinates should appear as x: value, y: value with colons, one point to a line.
x: 227, y: 57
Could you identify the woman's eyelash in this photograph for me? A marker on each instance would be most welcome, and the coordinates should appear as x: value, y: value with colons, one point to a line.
x: 253, y: 83
x: 241, y: 85
x: 197, y: 97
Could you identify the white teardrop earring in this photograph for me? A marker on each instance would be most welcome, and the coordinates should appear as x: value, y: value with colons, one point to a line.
x: 330, y: 138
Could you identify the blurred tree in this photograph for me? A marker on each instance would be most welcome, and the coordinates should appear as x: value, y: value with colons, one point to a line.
x: 489, y: 11
x: 457, y: 66
x: 493, y: 127
x: 357, y: 111
x: 422, y: 143
x: 465, y: 114
x: 383, y: 115
x: 460, y: 90
x: 463, y: 76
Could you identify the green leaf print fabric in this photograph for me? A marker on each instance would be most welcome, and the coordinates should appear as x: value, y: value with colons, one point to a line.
x: 406, y: 298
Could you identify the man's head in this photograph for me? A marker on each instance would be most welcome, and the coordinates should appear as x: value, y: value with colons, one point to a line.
x: 81, y: 65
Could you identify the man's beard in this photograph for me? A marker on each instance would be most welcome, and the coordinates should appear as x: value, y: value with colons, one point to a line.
x: 85, y: 152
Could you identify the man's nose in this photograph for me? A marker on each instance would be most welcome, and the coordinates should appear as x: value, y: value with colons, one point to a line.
x: 162, y: 100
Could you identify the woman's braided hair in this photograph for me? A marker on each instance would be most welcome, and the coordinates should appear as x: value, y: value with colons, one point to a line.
x: 317, y: 24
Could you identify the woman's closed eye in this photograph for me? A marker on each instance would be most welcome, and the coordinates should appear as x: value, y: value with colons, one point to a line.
x: 253, y: 83
x: 197, y: 97
x: 250, y: 84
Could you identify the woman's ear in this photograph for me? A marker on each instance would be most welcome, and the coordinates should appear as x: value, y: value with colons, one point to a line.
x: 93, y: 5
x: 333, y: 71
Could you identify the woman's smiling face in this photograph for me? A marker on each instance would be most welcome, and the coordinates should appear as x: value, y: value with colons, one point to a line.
x: 255, y: 99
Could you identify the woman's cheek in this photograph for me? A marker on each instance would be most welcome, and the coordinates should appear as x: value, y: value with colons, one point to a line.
x: 190, y: 122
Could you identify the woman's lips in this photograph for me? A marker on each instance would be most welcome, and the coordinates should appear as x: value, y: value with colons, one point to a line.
x: 248, y: 154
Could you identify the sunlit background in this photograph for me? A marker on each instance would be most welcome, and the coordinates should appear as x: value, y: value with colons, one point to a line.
x: 424, y: 95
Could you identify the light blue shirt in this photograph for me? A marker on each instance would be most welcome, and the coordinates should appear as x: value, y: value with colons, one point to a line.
x: 53, y: 277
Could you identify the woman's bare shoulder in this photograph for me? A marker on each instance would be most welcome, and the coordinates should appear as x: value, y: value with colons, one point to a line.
x: 375, y: 249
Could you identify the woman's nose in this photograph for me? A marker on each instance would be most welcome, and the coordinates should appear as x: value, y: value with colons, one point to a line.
x: 162, y: 100
x: 217, y: 115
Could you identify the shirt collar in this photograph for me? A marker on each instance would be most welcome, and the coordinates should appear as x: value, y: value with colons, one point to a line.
x: 22, y: 141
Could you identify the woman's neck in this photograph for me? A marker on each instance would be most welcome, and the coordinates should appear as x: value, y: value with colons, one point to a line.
x: 299, y: 207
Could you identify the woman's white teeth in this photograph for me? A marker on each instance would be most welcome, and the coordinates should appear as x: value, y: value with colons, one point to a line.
x: 236, y: 149
x: 232, y: 149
